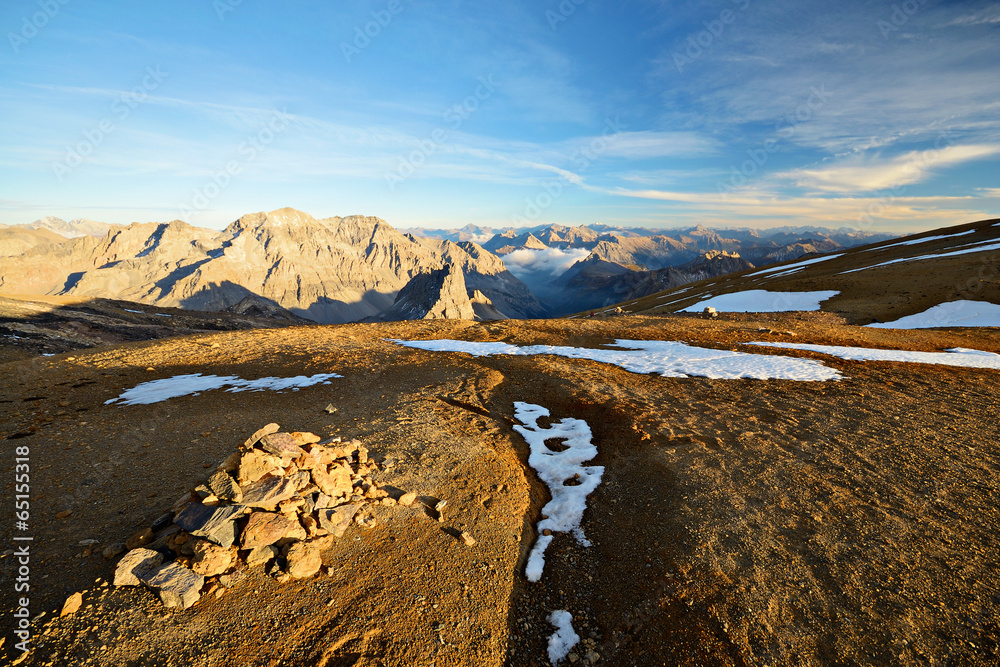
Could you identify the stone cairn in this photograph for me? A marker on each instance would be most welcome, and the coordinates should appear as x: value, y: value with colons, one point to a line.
x: 277, y: 502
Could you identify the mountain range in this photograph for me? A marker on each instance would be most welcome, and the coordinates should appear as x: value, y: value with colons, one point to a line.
x: 334, y: 270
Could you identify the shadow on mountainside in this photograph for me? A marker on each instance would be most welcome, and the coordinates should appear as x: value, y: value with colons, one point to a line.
x: 35, y: 325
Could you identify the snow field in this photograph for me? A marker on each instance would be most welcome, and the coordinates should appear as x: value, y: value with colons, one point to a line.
x: 666, y: 358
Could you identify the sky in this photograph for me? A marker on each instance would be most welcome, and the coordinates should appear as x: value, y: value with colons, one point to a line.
x: 878, y: 116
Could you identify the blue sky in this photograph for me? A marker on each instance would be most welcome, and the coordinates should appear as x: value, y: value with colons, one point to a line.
x: 873, y: 115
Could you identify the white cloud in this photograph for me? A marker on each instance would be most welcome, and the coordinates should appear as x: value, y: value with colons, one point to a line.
x: 859, y: 174
x: 554, y: 261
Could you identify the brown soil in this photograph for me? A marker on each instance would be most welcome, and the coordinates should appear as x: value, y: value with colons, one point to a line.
x: 738, y: 522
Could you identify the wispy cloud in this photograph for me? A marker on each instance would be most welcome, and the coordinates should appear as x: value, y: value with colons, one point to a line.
x: 866, y: 174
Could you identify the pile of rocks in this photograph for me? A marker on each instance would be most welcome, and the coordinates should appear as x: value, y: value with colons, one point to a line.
x: 276, y: 502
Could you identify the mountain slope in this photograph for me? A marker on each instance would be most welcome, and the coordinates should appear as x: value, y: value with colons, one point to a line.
x: 328, y: 270
x: 876, y: 283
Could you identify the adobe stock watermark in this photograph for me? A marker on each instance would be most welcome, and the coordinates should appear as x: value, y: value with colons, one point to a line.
x: 562, y: 13
x: 784, y: 129
x: 22, y: 547
x: 248, y: 150
x: 121, y: 108
x: 912, y: 171
x: 581, y: 159
x: 699, y: 42
x: 363, y: 35
x: 901, y: 14
x: 453, y: 116
x: 30, y: 26
x: 223, y: 7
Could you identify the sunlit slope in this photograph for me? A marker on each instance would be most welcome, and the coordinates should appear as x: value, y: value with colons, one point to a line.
x: 875, y: 283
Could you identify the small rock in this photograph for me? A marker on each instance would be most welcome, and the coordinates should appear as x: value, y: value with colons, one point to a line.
x: 136, y: 566
x: 225, y: 487
x: 72, y: 604
x: 330, y: 409
x: 336, y: 482
x: 63, y: 514
x: 303, y: 560
x: 210, y: 559
x: 178, y: 586
x: 87, y: 543
x: 338, y: 519
x: 231, y: 463
x: 113, y: 550
x: 234, y: 576
x: 468, y: 539
x: 140, y: 539
x: 261, y: 555
x: 407, y: 499
x: 255, y: 464
x: 304, y: 438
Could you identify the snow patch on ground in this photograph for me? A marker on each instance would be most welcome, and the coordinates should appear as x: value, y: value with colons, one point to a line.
x: 960, y: 313
x: 564, y: 638
x: 564, y: 512
x: 958, y: 356
x: 155, y: 391
x: 926, y: 239
x: 796, y: 265
x: 762, y: 301
x: 981, y: 246
x: 666, y: 358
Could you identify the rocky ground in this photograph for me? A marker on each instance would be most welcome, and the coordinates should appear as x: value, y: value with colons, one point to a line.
x: 738, y: 522
x: 37, y: 325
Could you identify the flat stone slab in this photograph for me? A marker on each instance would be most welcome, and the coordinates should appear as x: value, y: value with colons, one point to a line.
x: 282, y: 445
x: 260, y: 433
x: 217, y: 524
x: 265, y: 528
x: 136, y: 566
x: 268, y: 491
x: 178, y: 586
